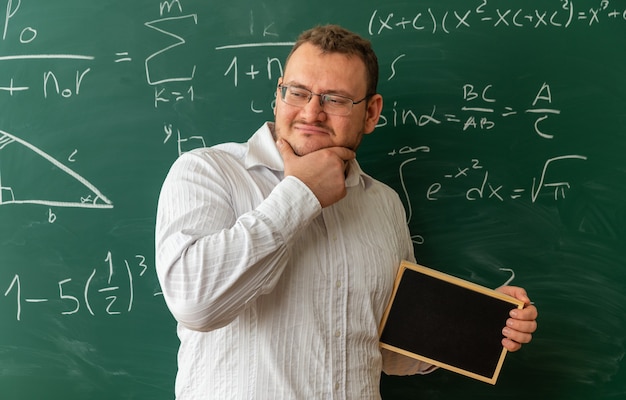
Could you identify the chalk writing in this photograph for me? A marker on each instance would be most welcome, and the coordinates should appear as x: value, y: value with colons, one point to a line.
x: 26, y: 34
x: 169, y: 95
x: 477, y: 112
x: 94, y: 199
x: 170, y: 86
x: 113, y: 298
x: 252, y: 71
x: 163, y: 93
x: 511, y: 278
x: 490, y: 190
x: 163, y: 53
x: 50, y: 79
x: 434, y: 21
x: 184, y: 143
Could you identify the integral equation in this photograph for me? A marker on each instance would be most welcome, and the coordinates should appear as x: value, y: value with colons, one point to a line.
x: 488, y: 189
x: 477, y: 113
x: 105, y: 291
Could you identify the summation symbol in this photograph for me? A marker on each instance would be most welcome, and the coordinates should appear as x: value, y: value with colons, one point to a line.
x: 178, y: 41
x: 164, y: 92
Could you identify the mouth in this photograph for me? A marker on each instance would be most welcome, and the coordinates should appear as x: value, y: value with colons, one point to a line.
x: 308, y: 129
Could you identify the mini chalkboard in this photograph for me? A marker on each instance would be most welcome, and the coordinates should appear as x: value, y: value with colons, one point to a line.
x: 447, y: 321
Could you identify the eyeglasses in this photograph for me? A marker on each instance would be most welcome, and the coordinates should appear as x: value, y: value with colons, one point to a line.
x: 331, y: 103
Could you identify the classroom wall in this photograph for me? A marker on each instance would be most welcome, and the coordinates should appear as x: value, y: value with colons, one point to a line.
x: 503, y: 131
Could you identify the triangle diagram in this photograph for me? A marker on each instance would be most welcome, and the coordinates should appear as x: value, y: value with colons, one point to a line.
x: 27, y: 171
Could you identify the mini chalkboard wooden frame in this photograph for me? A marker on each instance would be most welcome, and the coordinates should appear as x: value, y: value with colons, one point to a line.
x: 447, y: 322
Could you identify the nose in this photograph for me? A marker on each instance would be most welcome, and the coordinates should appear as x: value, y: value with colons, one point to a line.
x: 314, y: 110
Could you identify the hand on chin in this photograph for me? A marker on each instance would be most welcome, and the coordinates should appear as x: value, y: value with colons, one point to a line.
x: 309, y: 145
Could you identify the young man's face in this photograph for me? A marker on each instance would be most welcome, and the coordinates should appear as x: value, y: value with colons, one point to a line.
x: 309, y: 128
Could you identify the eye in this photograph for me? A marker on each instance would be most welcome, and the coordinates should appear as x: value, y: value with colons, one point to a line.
x: 298, y: 93
x: 336, y: 100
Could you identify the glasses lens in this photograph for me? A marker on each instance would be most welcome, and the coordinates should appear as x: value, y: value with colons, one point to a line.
x: 331, y: 104
x: 295, y: 96
x: 337, y: 105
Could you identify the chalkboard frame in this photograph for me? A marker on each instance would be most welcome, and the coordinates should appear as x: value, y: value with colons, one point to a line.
x: 457, y: 325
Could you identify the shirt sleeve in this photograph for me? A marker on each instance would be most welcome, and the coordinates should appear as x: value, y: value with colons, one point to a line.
x: 399, y: 364
x: 211, y: 259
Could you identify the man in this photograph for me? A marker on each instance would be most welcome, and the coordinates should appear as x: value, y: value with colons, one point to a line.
x: 277, y: 257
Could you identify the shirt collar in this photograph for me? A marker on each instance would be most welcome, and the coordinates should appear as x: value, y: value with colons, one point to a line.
x: 261, y: 151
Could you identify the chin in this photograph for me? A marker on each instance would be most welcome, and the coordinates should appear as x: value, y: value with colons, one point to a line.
x: 303, y: 144
x: 306, y: 148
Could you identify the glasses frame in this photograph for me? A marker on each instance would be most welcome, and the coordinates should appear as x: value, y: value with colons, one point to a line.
x: 283, y: 93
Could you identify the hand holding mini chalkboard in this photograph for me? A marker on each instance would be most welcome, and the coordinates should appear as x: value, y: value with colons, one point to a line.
x: 447, y: 321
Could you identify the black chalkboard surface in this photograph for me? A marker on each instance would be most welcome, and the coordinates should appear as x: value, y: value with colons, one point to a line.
x: 447, y: 321
x: 503, y: 131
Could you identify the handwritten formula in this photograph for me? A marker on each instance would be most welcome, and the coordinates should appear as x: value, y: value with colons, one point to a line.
x: 476, y: 113
x: 502, y: 131
x: 249, y: 66
x: 433, y: 21
x: 111, y: 285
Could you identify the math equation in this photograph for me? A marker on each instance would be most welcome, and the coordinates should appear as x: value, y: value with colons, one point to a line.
x: 111, y: 286
x: 449, y: 21
x: 488, y: 189
x: 477, y: 112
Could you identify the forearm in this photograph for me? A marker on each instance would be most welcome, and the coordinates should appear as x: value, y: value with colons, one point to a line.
x: 208, y: 278
x: 211, y: 263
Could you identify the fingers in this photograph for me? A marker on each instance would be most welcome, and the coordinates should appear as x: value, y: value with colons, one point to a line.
x: 511, y: 345
x: 343, y: 153
x: 528, y: 313
x: 517, y: 292
x: 522, y: 322
x: 323, y: 171
x: 514, y: 339
x: 519, y: 329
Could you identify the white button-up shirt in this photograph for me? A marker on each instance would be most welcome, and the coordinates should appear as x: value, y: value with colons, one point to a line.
x: 275, y: 297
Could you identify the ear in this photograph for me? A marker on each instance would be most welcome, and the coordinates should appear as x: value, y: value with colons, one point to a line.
x: 372, y: 114
x: 280, y: 81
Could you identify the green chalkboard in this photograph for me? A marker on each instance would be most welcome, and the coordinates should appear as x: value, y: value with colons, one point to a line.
x: 503, y: 130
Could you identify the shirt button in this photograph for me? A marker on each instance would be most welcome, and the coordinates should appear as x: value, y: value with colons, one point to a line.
x: 337, y: 333
x: 337, y: 386
x: 338, y: 284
